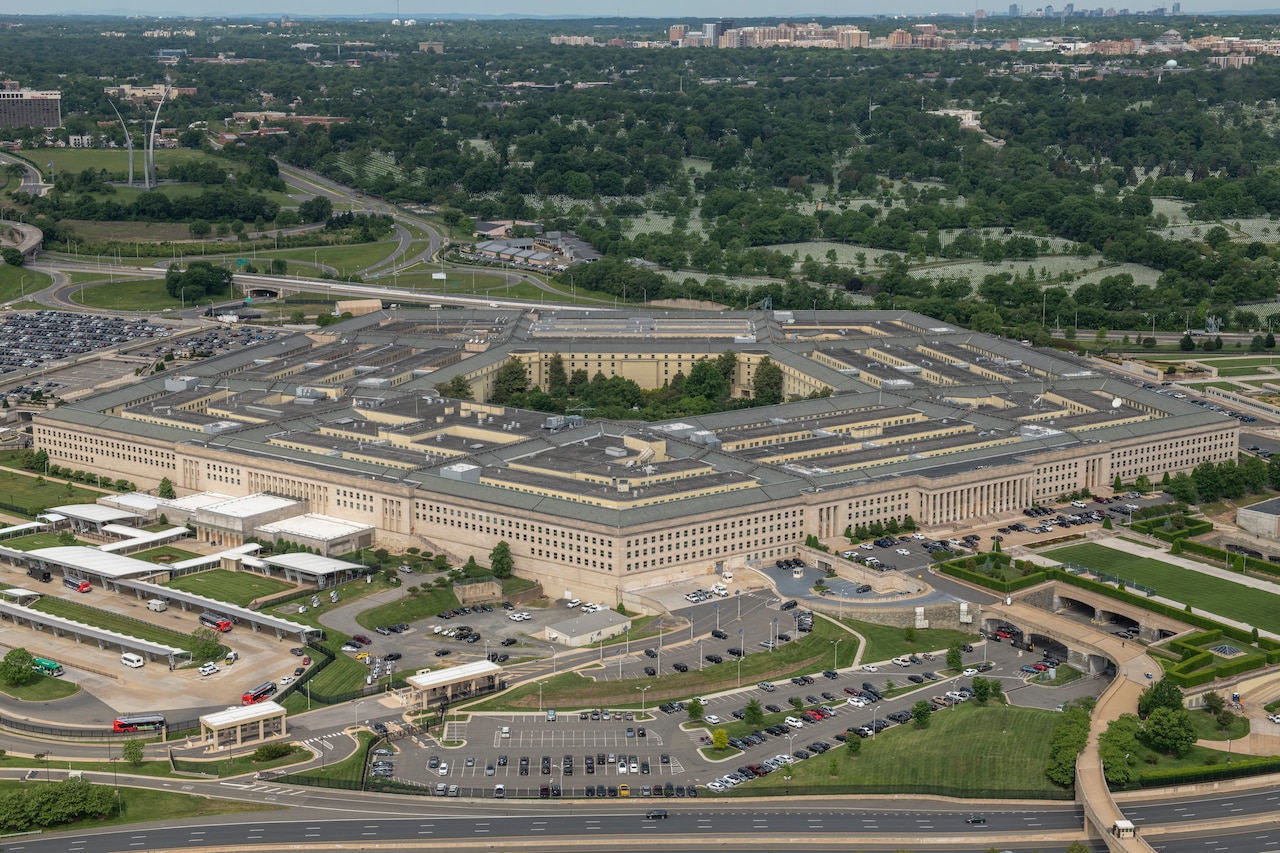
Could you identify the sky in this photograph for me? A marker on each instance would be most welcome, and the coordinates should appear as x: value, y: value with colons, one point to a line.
x: 673, y: 10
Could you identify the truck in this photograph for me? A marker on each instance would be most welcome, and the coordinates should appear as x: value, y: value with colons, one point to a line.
x: 39, y: 574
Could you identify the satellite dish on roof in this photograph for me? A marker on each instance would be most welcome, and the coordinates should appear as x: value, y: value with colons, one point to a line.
x: 1117, y: 403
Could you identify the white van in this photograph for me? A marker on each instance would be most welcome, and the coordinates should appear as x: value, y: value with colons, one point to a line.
x: 131, y: 660
x: 506, y: 731
x: 157, y: 605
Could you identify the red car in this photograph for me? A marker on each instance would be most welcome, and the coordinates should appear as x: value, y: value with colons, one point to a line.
x: 1039, y: 667
x: 362, y: 640
x: 851, y: 691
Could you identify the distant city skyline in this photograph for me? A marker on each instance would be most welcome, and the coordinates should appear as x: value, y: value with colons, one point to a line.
x: 659, y: 12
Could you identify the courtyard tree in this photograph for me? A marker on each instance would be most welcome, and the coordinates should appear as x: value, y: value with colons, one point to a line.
x: 166, y: 490
x: 500, y: 560
x: 16, y: 667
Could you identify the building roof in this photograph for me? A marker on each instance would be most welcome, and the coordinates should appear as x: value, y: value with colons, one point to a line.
x: 93, y: 561
x: 93, y: 513
x: 243, y: 714
x: 588, y: 623
x: 313, y: 526
x: 249, y: 505
x: 453, y: 675
x: 1271, y: 507
x: 311, y: 564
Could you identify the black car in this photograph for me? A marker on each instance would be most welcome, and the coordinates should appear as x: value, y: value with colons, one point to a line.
x: 510, y: 641
x: 648, y: 670
x: 393, y: 656
x: 736, y: 652
x: 714, y: 659
x: 650, y: 653
x: 720, y: 635
x: 680, y: 667
x: 975, y: 819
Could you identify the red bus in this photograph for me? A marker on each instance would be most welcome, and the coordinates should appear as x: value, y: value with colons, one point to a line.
x: 216, y: 621
x: 261, y: 693
x: 139, y: 723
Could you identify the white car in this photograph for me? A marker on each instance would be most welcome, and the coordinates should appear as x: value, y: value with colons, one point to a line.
x: 622, y: 767
x: 794, y: 722
x: 867, y: 546
x: 288, y: 679
x: 904, y: 552
x: 712, y: 719
x: 208, y: 668
x: 868, y: 667
x: 717, y: 786
x: 970, y: 672
x: 574, y: 602
x: 443, y: 770
x: 919, y: 537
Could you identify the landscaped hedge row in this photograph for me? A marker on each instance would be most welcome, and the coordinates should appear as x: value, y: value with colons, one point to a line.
x: 1155, y: 527
x: 1266, y: 567
x: 960, y: 572
x: 1240, y: 766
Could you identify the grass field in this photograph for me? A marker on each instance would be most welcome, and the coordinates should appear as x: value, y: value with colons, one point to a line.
x: 350, y: 258
x: 42, y: 688
x: 233, y: 587
x: 32, y: 541
x: 979, y: 752
x: 1207, y: 729
x: 76, y: 160
x: 349, y: 769
x: 810, y: 653
x: 140, y: 805
x: 147, y: 232
x: 1204, y: 592
x: 409, y: 608
x: 27, y: 491
x: 885, y: 642
x: 147, y: 294
x: 17, y: 281
x: 165, y: 554
x: 113, y: 622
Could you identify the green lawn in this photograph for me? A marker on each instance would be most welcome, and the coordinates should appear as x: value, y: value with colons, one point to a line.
x: 113, y: 622
x: 968, y: 750
x: 410, y: 608
x: 140, y: 805
x: 233, y: 587
x: 28, y: 492
x: 32, y: 541
x: 165, y: 553
x: 17, y: 281
x: 1207, y: 728
x: 1204, y: 592
x: 76, y: 160
x: 147, y: 294
x: 42, y: 688
x: 885, y: 642
x: 350, y: 258
x: 809, y: 653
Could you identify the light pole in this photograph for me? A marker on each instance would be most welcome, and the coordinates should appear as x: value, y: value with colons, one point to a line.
x: 873, y: 721
x: 22, y: 287
x: 775, y: 635
x: 835, y: 662
x: 553, y: 659
x: 743, y: 649
x: 738, y: 595
x: 356, y: 715
x: 717, y: 609
x: 540, y: 683
x: 643, y: 690
x: 701, y: 659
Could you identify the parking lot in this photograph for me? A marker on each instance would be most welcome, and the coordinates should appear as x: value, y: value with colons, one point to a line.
x: 525, y: 751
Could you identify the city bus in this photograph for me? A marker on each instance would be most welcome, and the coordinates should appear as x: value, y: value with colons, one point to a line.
x: 44, y: 666
x: 261, y: 693
x: 139, y: 723
x: 216, y: 621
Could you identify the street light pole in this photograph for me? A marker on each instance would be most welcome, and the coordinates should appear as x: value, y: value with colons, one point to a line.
x: 643, y: 690
x: 835, y: 662
x: 540, y: 683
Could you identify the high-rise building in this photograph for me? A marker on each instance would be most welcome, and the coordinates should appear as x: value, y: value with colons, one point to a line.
x: 677, y: 32
x: 1014, y: 10
x: 29, y: 107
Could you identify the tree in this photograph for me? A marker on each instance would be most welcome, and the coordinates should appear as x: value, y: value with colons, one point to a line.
x: 1118, y: 746
x: 720, y: 739
x: 500, y: 560
x: 1163, y: 694
x: 458, y: 388
x: 17, y: 667
x: 200, y: 279
x: 955, y: 655
x: 753, y: 713
x: 909, y: 634
x: 797, y: 703
x: 1214, y: 703
x: 921, y: 712
x: 316, y: 209
x: 1117, y: 484
x: 981, y: 690
x: 1169, y: 731
x: 166, y: 489
x: 1186, y: 344
x: 695, y: 710
x: 204, y: 644
x: 1069, y: 738
x: 768, y: 382
x: 1224, y: 719
x: 279, y: 266
x: 706, y: 381
x: 199, y: 228
x: 557, y: 378
x: 511, y: 379
x: 853, y: 745
x: 132, y: 752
